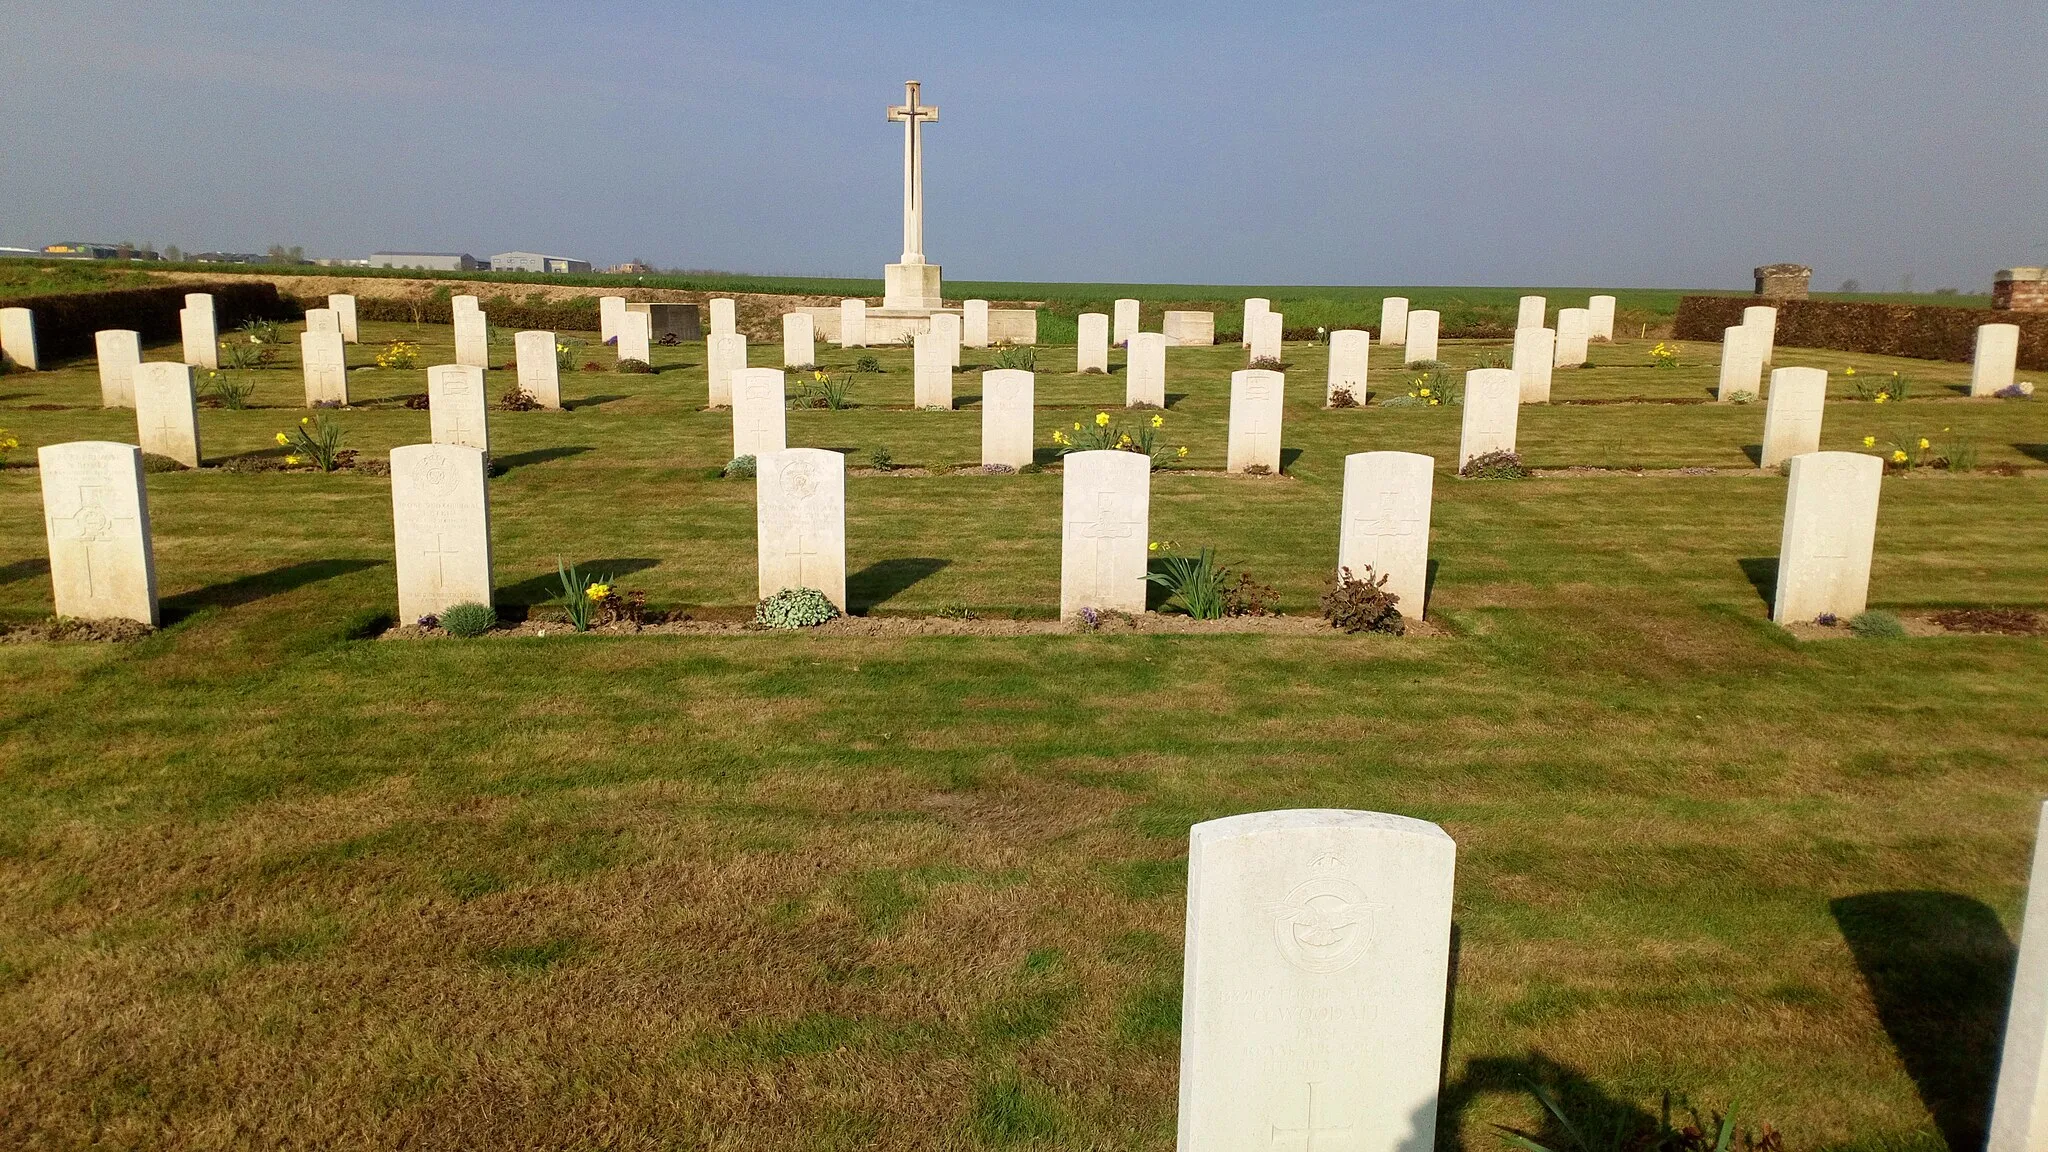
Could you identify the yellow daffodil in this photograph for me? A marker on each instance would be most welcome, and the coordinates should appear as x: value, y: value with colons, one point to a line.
x: 1102, y: 419
x: 1899, y: 455
x: 1848, y: 371
x: 291, y: 459
x: 598, y: 591
x: 1869, y: 441
x: 1923, y: 442
x: 1183, y: 453
x: 1077, y: 425
x: 1159, y: 421
x: 283, y: 439
x: 1881, y: 398
x: 305, y: 419
x: 1422, y: 392
x: 1153, y: 546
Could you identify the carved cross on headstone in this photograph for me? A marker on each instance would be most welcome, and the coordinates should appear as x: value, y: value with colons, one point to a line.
x: 439, y: 554
x: 1311, y: 1136
x: 914, y: 117
x: 1111, y: 522
x: 89, y: 525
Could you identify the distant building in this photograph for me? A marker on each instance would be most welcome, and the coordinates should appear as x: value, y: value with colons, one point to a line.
x: 332, y: 262
x: 431, y: 261
x: 536, y: 262
x: 83, y: 250
x: 631, y: 268
x: 225, y: 258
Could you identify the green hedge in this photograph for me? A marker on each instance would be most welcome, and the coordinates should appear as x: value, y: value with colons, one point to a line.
x: 66, y: 322
x: 573, y: 315
x: 1921, y: 332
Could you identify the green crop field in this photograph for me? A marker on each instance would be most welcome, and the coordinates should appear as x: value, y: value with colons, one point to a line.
x: 271, y: 877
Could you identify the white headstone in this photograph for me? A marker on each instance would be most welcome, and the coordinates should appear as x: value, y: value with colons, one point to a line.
x: 1830, y: 527
x: 1254, y: 307
x: 1571, y: 338
x: 200, y: 302
x: 1531, y: 312
x: 18, y: 337
x: 724, y: 354
x: 195, y: 327
x: 1145, y: 370
x: 974, y: 323
x: 1256, y: 396
x: 759, y: 412
x: 800, y: 521
x: 1007, y: 426
x: 118, y: 350
x: 799, y: 347
x: 323, y: 320
x: 1792, y: 414
x: 96, y: 514
x: 1189, y: 329
x: 1764, y: 319
x: 1313, y: 986
x: 456, y: 408
x: 324, y: 363
x: 344, y: 307
x: 1123, y: 321
x: 1742, y: 362
x: 609, y: 309
x: 441, y: 524
x: 1996, y: 356
x: 1600, y: 318
x: 1535, y: 352
x: 1265, y: 333
x: 724, y: 316
x: 1386, y: 522
x: 1493, y: 404
x: 1394, y: 322
x: 2019, y: 1105
x: 167, y: 412
x: 1092, y: 350
x: 472, y: 338
x: 931, y: 379
x: 461, y: 304
x: 1350, y: 355
x: 1107, y: 497
x: 636, y: 337
x: 1422, y: 328
x: 540, y: 374
x: 853, y: 323
x: 946, y: 326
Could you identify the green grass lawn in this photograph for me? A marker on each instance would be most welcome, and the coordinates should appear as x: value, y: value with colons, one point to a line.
x: 264, y: 883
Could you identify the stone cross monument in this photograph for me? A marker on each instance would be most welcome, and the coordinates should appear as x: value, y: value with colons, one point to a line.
x: 912, y: 285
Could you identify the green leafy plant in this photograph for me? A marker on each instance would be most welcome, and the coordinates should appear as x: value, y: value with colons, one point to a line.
x: 1360, y: 603
x: 583, y: 595
x: 8, y: 443
x: 1023, y: 357
x: 868, y: 363
x: 466, y: 620
x: 399, y: 355
x: 315, y: 439
x: 634, y: 367
x: 240, y: 354
x: 230, y: 391
x: 1108, y: 433
x: 1494, y: 466
x: 1880, y: 389
x: 565, y: 352
x: 517, y: 399
x: 1663, y: 356
x: 1194, y: 584
x: 1742, y: 396
x: 1429, y: 388
x: 1342, y: 398
x: 1876, y: 624
x: 817, y: 389
x: 1267, y: 364
x: 738, y: 468
x: 879, y: 459
x: 795, y: 608
x: 1494, y: 358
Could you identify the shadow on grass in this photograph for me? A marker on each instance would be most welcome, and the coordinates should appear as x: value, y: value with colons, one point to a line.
x: 547, y: 587
x: 1589, y: 1107
x: 1173, y: 398
x: 1287, y: 458
x: 248, y: 589
x: 503, y: 464
x: 1755, y: 452
x: 24, y: 569
x: 1762, y: 574
x: 880, y: 582
x: 1939, y: 967
x: 2036, y: 451
x: 592, y: 401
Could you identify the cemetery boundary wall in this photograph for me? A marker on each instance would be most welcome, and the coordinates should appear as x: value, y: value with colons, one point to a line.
x: 1921, y: 332
x: 66, y: 321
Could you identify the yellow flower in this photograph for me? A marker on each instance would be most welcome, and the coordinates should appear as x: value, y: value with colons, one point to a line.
x: 283, y: 439
x: 1848, y: 371
x: 1153, y: 546
x: 1124, y: 441
x: 1869, y: 441
x: 305, y: 419
x: 291, y: 459
x: 1923, y: 442
x: 1183, y: 453
x: 1077, y: 425
x: 1102, y: 419
x: 1423, y: 392
x: 1159, y: 421
x: 598, y: 591
x: 1881, y: 398
x: 1899, y: 455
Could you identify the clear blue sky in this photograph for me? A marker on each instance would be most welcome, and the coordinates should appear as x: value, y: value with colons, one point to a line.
x: 1362, y: 143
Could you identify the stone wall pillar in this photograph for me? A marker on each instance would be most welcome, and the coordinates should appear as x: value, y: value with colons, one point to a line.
x: 2020, y: 290
x: 1783, y: 281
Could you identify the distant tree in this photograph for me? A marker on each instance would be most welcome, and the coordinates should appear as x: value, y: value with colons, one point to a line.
x: 171, y: 253
x: 1906, y: 283
x: 297, y: 254
x: 1851, y: 286
x: 276, y: 254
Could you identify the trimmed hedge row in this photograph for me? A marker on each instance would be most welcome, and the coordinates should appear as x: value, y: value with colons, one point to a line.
x: 1923, y: 333
x: 66, y: 322
x: 578, y: 314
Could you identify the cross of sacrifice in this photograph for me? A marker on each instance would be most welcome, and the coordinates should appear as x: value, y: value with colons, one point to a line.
x: 914, y: 117
x: 1308, y: 1134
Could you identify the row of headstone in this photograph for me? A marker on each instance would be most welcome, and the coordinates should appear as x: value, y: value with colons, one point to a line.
x: 197, y: 330
x: 343, y: 305
x: 472, y: 333
x: 1599, y: 318
x: 18, y: 338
